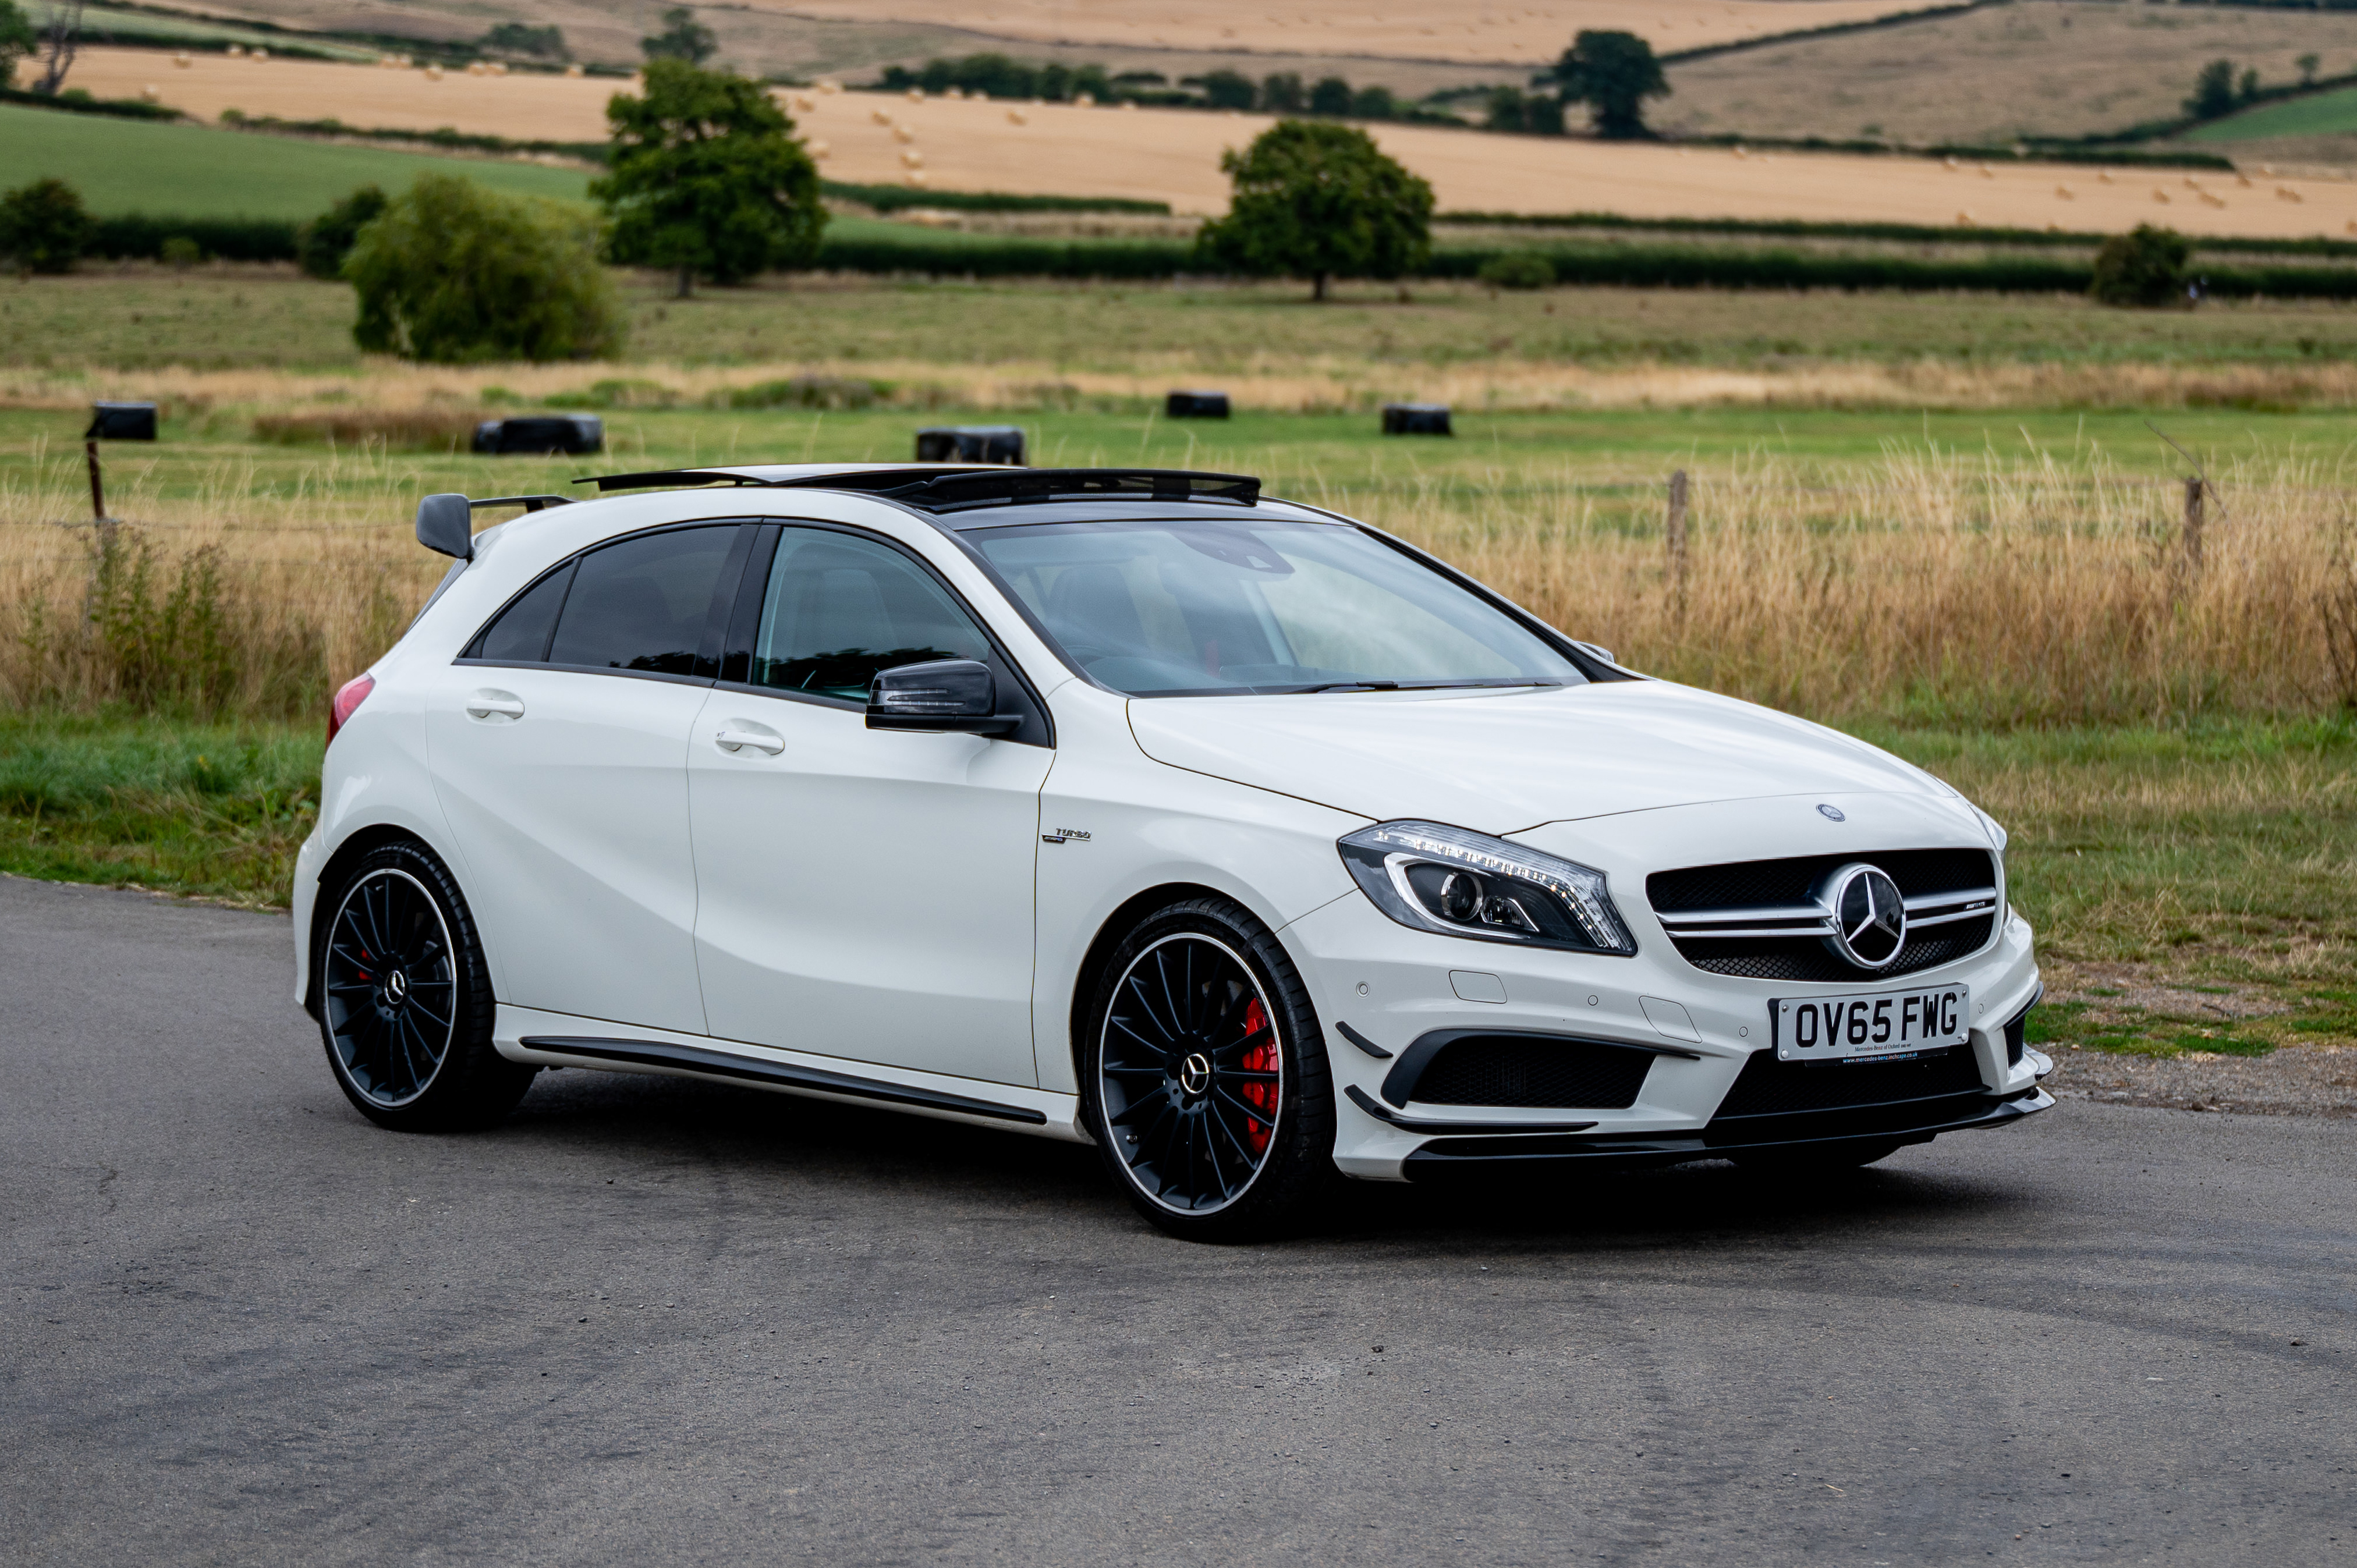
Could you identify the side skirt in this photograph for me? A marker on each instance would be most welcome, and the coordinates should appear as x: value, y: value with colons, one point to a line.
x: 555, y: 1039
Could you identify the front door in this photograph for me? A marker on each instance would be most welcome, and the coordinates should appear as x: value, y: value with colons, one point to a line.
x: 559, y: 749
x: 865, y: 894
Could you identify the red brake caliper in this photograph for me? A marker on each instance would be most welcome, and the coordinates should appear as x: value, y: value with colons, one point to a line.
x: 1260, y: 1092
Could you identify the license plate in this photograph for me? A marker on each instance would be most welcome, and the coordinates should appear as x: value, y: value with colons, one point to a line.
x: 1887, y: 1024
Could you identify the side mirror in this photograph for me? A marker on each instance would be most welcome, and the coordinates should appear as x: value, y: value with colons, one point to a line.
x: 444, y: 525
x: 959, y: 695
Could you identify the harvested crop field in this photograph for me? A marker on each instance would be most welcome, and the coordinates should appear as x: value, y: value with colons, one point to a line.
x: 1518, y: 34
x: 2055, y: 67
x: 1173, y: 155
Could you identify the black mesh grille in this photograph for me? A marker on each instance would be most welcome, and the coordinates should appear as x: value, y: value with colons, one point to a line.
x: 1784, y: 884
x: 1506, y: 1069
x: 1767, y: 1086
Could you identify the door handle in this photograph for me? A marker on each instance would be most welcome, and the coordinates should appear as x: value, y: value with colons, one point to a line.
x: 760, y: 740
x: 495, y: 707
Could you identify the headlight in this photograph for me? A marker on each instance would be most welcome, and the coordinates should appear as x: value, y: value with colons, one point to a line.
x: 1439, y: 879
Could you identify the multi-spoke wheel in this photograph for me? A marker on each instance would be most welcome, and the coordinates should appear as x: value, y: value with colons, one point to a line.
x: 1208, y: 1092
x: 404, y: 1000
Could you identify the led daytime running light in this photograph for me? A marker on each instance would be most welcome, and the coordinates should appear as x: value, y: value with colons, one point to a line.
x: 1579, y: 891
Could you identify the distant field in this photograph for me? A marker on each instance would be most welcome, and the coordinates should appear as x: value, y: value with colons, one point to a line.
x: 129, y: 166
x: 2322, y: 114
x: 1173, y: 155
x: 2064, y: 67
x: 109, y: 22
x: 1562, y: 347
x: 1521, y: 34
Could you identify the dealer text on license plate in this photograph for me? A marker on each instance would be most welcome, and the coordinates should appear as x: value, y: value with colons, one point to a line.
x: 1892, y: 1023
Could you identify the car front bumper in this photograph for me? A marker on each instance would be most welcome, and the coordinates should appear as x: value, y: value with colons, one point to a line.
x: 1379, y: 987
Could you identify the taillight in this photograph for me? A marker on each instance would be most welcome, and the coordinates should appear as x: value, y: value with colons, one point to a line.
x: 353, y: 693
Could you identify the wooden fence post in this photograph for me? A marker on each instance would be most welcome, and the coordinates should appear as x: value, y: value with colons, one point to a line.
x: 2193, y: 487
x: 1676, y: 532
x: 97, y: 489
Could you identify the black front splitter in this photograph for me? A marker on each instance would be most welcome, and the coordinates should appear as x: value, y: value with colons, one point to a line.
x: 1442, y: 1159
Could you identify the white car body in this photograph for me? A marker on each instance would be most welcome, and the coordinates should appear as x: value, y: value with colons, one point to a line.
x: 914, y: 932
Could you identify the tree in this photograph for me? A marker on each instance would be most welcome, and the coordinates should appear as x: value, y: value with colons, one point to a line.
x: 1374, y: 103
x: 683, y: 37
x: 2307, y: 67
x: 43, y: 227
x: 454, y: 273
x: 707, y: 178
x: 2249, y: 91
x: 1511, y: 109
x: 1330, y: 97
x: 1282, y: 94
x: 1226, y: 89
x: 322, y: 245
x: 1320, y: 202
x: 60, y: 42
x: 2143, y: 267
x: 17, y: 39
x: 2214, y: 91
x: 520, y: 38
x: 1614, y: 74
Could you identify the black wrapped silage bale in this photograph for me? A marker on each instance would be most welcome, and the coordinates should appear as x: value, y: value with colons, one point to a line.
x: 970, y: 444
x: 1416, y: 419
x: 1196, y: 405
x: 560, y: 434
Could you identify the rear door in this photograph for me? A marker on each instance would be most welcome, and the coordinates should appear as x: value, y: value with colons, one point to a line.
x: 559, y: 747
x: 866, y: 893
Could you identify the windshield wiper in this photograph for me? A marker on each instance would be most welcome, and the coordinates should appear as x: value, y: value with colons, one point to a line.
x: 1418, y: 685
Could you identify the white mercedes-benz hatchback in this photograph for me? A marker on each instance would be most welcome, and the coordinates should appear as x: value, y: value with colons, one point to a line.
x: 1132, y: 808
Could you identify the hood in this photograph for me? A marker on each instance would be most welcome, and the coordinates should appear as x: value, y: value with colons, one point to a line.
x: 1501, y: 761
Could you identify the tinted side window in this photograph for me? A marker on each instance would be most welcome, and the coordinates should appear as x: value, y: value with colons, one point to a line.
x: 643, y: 603
x: 520, y: 635
x: 839, y: 609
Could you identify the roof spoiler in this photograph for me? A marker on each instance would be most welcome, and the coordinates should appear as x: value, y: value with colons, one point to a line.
x: 444, y: 522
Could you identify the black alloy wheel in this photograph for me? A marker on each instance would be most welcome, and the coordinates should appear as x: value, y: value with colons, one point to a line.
x: 1217, y: 1122
x: 404, y: 998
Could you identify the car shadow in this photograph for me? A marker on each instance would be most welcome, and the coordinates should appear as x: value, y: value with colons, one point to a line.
x: 664, y: 1126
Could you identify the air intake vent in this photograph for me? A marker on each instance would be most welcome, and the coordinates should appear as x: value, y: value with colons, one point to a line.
x: 1767, y: 1086
x: 1533, y: 1070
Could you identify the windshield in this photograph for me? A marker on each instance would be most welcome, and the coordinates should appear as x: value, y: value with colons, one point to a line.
x: 1162, y: 608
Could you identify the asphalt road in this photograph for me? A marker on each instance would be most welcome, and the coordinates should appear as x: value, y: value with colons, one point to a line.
x: 657, y: 1322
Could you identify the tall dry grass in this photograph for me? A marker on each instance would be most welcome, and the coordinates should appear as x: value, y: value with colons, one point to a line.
x: 1932, y: 587
x: 1922, y: 586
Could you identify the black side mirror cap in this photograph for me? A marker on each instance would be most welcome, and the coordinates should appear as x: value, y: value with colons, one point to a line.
x: 444, y: 525
x: 954, y: 695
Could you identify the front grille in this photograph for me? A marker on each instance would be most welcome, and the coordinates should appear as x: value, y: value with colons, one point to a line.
x: 1767, y: 1086
x: 1509, y: 1070
x: 1787, y: 888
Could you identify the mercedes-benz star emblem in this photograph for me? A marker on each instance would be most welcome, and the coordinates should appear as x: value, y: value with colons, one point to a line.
x: 1195, y: 1073
x: 1833, y: 813
x: 396, y: 988
x: 1869, y: 916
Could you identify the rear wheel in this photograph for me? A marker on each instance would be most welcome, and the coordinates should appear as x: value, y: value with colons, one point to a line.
x: 405, y: 1006
x: 1206, y: 1091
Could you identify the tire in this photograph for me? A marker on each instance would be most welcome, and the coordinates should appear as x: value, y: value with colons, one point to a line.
x: 1824, y: 1162
x: 410, y: 1040
x: 1198, y: 1021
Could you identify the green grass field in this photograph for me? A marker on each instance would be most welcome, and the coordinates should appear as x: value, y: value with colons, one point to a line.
x: 2252, y: 897
x: 139, y: 317
x: 2319, y: 114
x: 136, y: 165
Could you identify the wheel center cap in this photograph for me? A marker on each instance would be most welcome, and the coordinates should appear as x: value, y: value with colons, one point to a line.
x: 1195, y: 1073
x: 396, y: 987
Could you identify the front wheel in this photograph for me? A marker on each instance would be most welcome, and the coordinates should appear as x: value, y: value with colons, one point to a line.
x: 405, y: 1006
x: 1205, y: 1076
